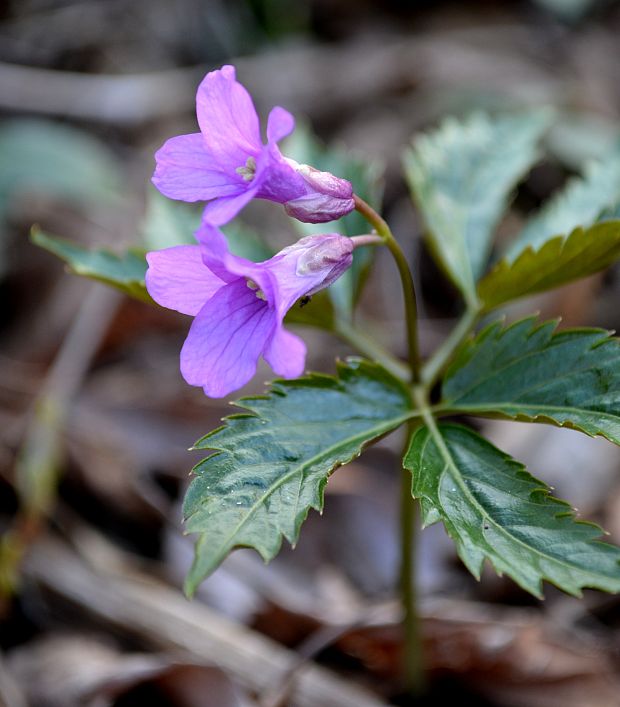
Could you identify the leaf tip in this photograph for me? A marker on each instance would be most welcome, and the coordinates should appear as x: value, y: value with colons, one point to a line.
x: 190, y: 585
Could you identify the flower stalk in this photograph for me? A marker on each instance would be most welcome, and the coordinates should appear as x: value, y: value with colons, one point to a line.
x: 439, y: 360
x: 411, y: 307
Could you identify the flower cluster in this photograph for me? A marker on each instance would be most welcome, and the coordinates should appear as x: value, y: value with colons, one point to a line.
x: 227, y: 165
x: 239, y: 305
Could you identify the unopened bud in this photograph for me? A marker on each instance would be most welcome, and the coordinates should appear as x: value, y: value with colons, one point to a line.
x: 331, y: 254
x: 328, y: 198
x: 318, y: 208
x: 325, y: 182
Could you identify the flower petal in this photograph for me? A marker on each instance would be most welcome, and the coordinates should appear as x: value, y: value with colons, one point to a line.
x: 305, y: 267
x: 178, y: 279
x: 187, y: 171
x: 318, y: 208
x: 221, y: 211
x: 279, y: 124
x: 227, y: 266
x: 226, y: 339
x: 276, y: 178
x: 286, y: 353
x: 227, y: 119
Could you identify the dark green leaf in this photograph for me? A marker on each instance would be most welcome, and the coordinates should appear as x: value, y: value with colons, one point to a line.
x: 493, y: 508
x: 461, y: 176
x: 531, y: 372
x: 366, y: 177
x: 555, y: 263
x: 273, y: 460
x: 318, y: 312
x: 580, y: 203
x: 125, y: 272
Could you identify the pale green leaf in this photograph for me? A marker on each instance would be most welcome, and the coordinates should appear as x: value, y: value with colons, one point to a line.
x: 125, y: 271
x: 461, y: 177
x: 580, y: 203
x: 168, y: 223
x: 246, y: 242
x: 530, y: 372
x: 55, y: 159
x: 558, y: 261
x: 494, y: 509
x: 611, y: 214
x: 568, y: 10
x: 577, y: 137
x: 272, y: 461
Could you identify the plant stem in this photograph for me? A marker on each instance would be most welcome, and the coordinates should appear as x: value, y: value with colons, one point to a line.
x: 411, y: 307
x: 413, y: 658
x: 368, y: 347
x: 435, y: 365
x: 413, y: 665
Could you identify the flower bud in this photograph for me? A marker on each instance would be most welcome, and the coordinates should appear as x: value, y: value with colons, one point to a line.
x: 325, y: 182
x: 328, y: 254
x: 328, y: 198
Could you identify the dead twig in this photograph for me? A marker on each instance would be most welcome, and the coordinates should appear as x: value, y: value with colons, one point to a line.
x: 39, y: 457
x: 10, y: 692
x: 160, y: 615
x: 499, y: 58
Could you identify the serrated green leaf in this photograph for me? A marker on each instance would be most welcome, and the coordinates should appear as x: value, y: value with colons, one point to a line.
x: 493, y: 508
x: 125, y: 272
x: 533, y: 373
x: 58, y: 160
x: 272, y: 461
x: 367, y: 178
x: 461, y: 176
x: 555, y: 263
x: 580, y: 203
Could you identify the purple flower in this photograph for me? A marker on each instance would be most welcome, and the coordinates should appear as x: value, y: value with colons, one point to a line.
x: 239, y: 306
x: 227, y: 164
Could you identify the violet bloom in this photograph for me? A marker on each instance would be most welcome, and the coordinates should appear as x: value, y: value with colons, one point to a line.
x: 239, y: 305
x: 227, y: 164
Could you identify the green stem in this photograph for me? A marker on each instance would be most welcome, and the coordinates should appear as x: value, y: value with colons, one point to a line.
x: 413, y: 665
x: 411, y: 307
x: 413, y: 657
x: 435, y: 365
x: 369, y: 348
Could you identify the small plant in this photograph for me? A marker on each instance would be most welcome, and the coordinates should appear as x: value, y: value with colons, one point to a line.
x: 269, y: 463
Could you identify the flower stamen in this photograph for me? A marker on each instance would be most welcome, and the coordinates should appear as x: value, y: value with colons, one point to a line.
x: 257, y: 291
x: 248, y: 171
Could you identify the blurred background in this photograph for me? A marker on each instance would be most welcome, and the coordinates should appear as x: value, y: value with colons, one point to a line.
x: 95, y: 420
